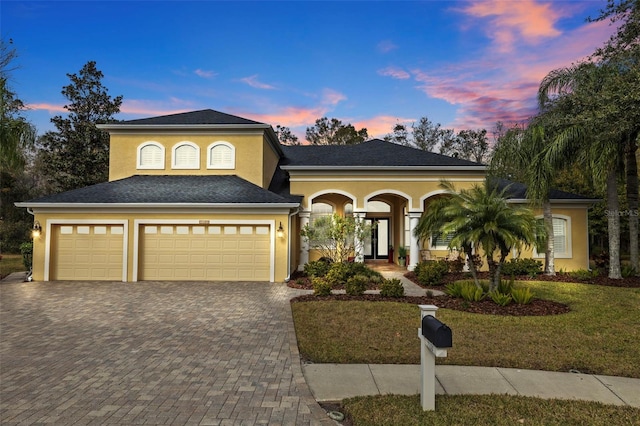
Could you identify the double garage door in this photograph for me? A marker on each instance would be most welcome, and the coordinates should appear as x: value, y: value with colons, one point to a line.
x: 168, y: 252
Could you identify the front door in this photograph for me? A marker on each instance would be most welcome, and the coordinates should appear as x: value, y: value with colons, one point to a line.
x: 378, y: 246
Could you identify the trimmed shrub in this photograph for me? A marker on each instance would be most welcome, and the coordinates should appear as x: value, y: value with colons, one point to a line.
x: 356, y: 285
x: 583, y: 274
x: 392, y: 288
x: 26, y: 249
x: 530, y: 267
x: 522, y: 296
x: 338, y: 274
x: 321, y: 287
x: 501, y: 299
x: 358, y: 268
x: 317, y: 268
x: 431, y: 273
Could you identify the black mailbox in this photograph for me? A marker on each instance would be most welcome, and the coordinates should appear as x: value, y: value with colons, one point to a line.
x: 436, y: 332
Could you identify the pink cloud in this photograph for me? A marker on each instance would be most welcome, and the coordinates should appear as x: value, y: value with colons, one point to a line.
x: 51, y: 108
x: 394, y: 72
x: 204, y: 74
x: 526, y: 20
x: 332, y: 97
x: 253, y: 82
x: 386, y: 46
x: 379, y: 126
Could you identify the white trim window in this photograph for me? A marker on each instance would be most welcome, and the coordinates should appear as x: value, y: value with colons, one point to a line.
x: 561, y: 237
x: 185, y: 155
x: 221, y: 155
x: 319, y: 210
x: 150, y: 156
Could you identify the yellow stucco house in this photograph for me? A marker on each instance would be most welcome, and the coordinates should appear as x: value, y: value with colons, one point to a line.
x: 205, y: 195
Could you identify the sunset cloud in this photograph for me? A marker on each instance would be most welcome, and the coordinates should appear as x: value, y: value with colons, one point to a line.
x: 394, y: 72
x: 381, y: 125
x: 51, y: 108
x: 510, y: 21
x: 253, y: 82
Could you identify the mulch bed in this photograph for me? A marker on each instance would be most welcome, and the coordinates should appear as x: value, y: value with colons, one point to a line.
x: 538, y: 307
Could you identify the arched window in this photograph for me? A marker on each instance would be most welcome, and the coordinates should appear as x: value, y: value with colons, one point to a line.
x: 221, y: 155
x: 319, y: 210
x: 150, y: 156
x: 186, y: 155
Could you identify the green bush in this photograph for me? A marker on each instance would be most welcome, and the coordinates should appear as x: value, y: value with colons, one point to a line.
x: 522, y: 296
x: 455, y: 289
x: 529, y: 267
x: 356, y: 285
x: 472, y: 293
x: 583, y: 274
x: 430, y: 273
x: 359, y: 268
x: 27, y: 254
x: 338, y: 274
x: 392, y: 288
x: 505, y: 286
x: 321, y: 287
x: 317, y: 268
x: 501, y: 299
x: 627, y: 271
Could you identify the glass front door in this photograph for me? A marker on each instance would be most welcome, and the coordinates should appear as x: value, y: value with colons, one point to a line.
x: 377, y: 247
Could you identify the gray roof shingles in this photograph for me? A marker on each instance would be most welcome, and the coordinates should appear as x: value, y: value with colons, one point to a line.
x: 373, y: 153
x: 202, y: 117
x: 167, y: 189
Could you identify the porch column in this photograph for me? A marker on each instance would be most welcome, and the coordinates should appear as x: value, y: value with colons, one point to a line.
x: 304, y: 245
x: 414, y: 250
x: 359, y: 242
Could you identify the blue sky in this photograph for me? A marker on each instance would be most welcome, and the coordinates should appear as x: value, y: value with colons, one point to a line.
x: 465, y: 64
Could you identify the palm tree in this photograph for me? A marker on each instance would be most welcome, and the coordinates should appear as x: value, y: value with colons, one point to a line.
x: 482, y: 218
x: 600, y: 125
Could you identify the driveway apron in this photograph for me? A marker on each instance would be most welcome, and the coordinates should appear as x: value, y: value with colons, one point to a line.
x: 201, y: 353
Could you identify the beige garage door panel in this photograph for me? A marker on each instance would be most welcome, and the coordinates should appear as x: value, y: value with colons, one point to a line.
x: 205, y: 253
x: 87, y: 252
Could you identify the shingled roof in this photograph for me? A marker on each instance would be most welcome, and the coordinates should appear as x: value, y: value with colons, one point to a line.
x: 202, y: 117
x: 374, y: 153
x: 518, y: 191
x: 167, y: 189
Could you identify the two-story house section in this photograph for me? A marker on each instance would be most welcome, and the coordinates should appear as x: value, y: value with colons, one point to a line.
x: 208, y: 196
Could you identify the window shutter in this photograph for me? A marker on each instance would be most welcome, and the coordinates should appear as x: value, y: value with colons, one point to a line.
x: 151, y: 155
x: 559, y: 235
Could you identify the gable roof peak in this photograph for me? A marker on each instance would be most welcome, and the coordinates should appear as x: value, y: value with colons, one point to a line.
x: 200, y: 117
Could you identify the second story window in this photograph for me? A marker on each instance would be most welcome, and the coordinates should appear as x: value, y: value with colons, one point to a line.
x: 221, y: 155
x: 186, y: 155
x: 150, y: 156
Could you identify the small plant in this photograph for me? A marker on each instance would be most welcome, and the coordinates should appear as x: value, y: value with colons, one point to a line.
x: 529, y: 267
x: 583, y: 274
x: 338, y: 274
x: 27, y: 254
x: 392, y: 288
x: 431, y: 273
x: 317, y: 268
x: 356, y: 285
x: 505, y: 286
x: 321, y: 287
x: 501, y: 299
x: 472, y: 293
x: 522, y: 296
x: 628, y: 271
x: 455, y: 289
x: 300, y: 281
x: 402, y: 252
x: 429, y: 293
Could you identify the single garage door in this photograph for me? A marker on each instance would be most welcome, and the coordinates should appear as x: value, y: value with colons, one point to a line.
x: 87, y: 252
x: 205, y: 253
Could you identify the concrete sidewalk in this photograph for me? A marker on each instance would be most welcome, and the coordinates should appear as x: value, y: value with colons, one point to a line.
x: 333, y: 382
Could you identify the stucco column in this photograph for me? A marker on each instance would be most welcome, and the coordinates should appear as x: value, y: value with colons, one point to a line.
x: 304, y: 245
x: 359, y: 242
x: 414, y: 250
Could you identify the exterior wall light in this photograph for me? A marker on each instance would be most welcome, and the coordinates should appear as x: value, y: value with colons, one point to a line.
x: 37, y: 229
x: 280, y: 231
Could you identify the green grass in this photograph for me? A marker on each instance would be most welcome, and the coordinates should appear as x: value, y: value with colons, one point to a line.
x: 599, y: 336
x: 391, y: 410
x: 11, y: 263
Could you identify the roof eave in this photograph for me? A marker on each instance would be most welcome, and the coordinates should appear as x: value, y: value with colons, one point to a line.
x: 387, y: 168
x: 27, y: 204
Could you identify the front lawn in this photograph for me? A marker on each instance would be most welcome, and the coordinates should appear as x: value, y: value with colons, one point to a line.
x: 484, y: 410
x: 599, y: 336
x: 11, y: 263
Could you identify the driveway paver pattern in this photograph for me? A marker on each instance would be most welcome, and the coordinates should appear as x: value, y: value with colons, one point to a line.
x: 178, y: 353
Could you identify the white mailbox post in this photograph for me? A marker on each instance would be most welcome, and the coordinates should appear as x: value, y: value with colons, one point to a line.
x: 429, y: 350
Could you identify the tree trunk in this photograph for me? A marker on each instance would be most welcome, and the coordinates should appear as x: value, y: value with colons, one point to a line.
x: 549, y: 256
x: 472, y: 267
x: 613, y: 222
x: 632, y: 200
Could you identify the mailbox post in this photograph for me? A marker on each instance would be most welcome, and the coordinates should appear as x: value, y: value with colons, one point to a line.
x: 435, y: 338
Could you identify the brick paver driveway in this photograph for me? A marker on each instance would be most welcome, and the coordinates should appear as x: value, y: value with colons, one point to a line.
x: 151, y: 353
